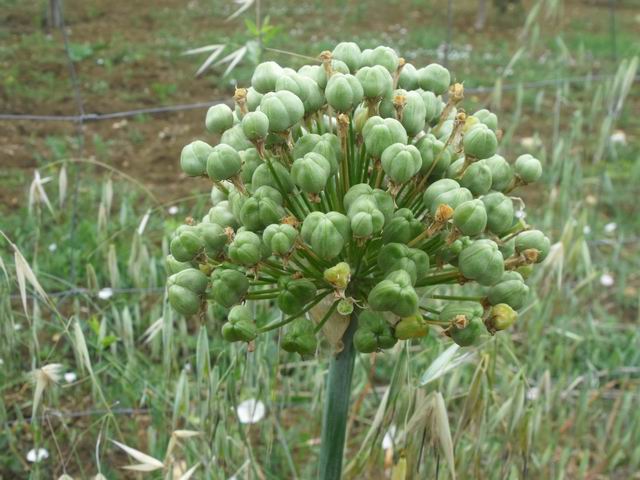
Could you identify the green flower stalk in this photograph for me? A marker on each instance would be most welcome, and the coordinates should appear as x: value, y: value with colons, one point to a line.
x: 340, y: 192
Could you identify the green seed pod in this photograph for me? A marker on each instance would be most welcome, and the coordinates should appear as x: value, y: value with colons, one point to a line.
x: 219, y: 118
x: 262, y: 209
x: 326, y: 233
x: 294, y: 83
x: 536, y: 240
x: 408, y: 77
x: 395, y: 294
x: 528, y: 168
x: 507, y: 248
x: 482, y: 261
x: 314, y: 100
x: 499, y: 212
x: 327, y: 145
x: 186, y: 289
x: 318, y: 74
x: 246, y: 248
x: 228, y: 286
x: 193, y: 159
x: 379, y: 133
x: 264, y: 176
x: 480, y: 142
x: 385, y: 56
x: 470, y: 217
x: 444, y: 130
x: 434, y: 78
x: 214, y: 238
x: 451, y: 253
x: 362, y: 193
x: 300, y: 338
x: 433, y: 150
x: 265, y: 77
x: 397, y: 256
x: 501, y: 317
x: 253, y: 99
x: 223, y: 163
x: 250, y: 161
x: 217, y: 195
x: 436, y: 189
x: 255, y: 126
x: 240, y: 326
x: 476, y: 178
x: 222, y: 215
x: 280, y: 239
x: 236, y: 201
x: 187, y: 244
x: 488, y: 118
x: 402, y: 228
x: 401, y: 162
x: 311, y: 172
x: 510, y: 290
x: 433, y: 107
x: 283, y: 110
x: 345, y: 307
x: 173, y: 266
x: 373, y: 333
x: 235, y: 138
x: 366, y: 218
x: 305, y: 144
x: 501, y: 173
x: 414, y: 113
x: 338, y: 275
x: 452, y: 198
x: 349, y: 53
x: 465, y: 320
x: 294, y: 294
x: 343, y: 92
x: 375, y: 81
x: 411, y: 327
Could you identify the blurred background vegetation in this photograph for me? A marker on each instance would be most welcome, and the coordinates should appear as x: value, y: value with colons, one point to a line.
x: 87, y: 207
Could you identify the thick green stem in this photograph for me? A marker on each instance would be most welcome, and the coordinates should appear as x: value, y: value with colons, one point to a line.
x: 336, y: 406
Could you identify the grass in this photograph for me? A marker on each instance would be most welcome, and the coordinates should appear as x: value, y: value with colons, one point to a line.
x: 555, y: 399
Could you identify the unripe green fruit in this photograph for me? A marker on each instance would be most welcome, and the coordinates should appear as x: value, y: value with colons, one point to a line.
x: 397, y: 256
x: 187, y: 244
x: 452, y: 198
x: 223, y: 163
x: 501, y: 317
x: 411, y: 327
x: 402, y: 228
x: 186, y: 289
x: 488, y: 118
x: 375, y: 81
x: 395, y: 294
x: 219, y: 118
x: 314, y: 99
x: 451, y: 253
x: 235, y: 138
x: 433, y: 150
x: 255, y: 125
x: 280, y: 238
x: 173, y: 266
x: 264, y: 176
x: 362, y: 192
x: 536, y: 240
x: 385, y: 56
x: 222, y: 215
x: 294, y: 294
x: 379, y: 133
x: 507, y: 248
x: 236, y: 201
x: 326, y: 233
x: 214, y: 238
x: 246, y: 249
x: 414, y: 113
x: 501, y: 173
x: 228, y: 286
x: 300, y: 338
x: 482, y: 261
x: 468, y: 335
x: 283, y: 110
x: 434, y: 78
x: 217, y: 195
x: 349, y: 53
x: 373, y: 333
x: 465, y: 320
x: 250, y: 161
x: 318, y: 74
x: 265, y: 77
x: 327, y: 145
x: 470, y: 217
x: 480, y: 142
x: 343, y: 92
x: 433, y: 107
x: 240, y: 326
x: 528, y: 168
x: 436, y: 189
x: 338, y: 275
x: 294, y: 83
x: 262, y: 209
x: 193, y: 159
x: 311, y: 172
x: 477, y: 176
x: 408, y: 77
x: 510, y: 290
x: 499, y: 212
x: 366, y: 219
x: 253, y: 99
x: 401, y: 162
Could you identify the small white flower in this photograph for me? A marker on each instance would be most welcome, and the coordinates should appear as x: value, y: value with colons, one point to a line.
x: 17, y: 327
x: 70, y: 377
x: 533, y: 393
x: 105, y: 293
x: 606, y: 280
x: 610, y: 227
x: 53, y: 247
x: 100, y: 61
x: 618, y: 137
x: 173, y: 209
x: 521, y: 214
x: 1, y: 361
x: 388, y: 439
x: 35, y: 456
x: 586, y: 230
x: 251, y: 411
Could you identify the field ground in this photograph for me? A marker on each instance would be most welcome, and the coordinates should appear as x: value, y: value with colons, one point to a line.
x: 557, y: 399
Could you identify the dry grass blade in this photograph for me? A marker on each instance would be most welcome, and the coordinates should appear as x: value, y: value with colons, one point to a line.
x: 24, y: 274
x: 43, y: 378
x: 444, y: 363
x: 440, y: 425
x: 147, y: 462
x: 244, y: 6
x: 62, y: 184
x: 189, y: 473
